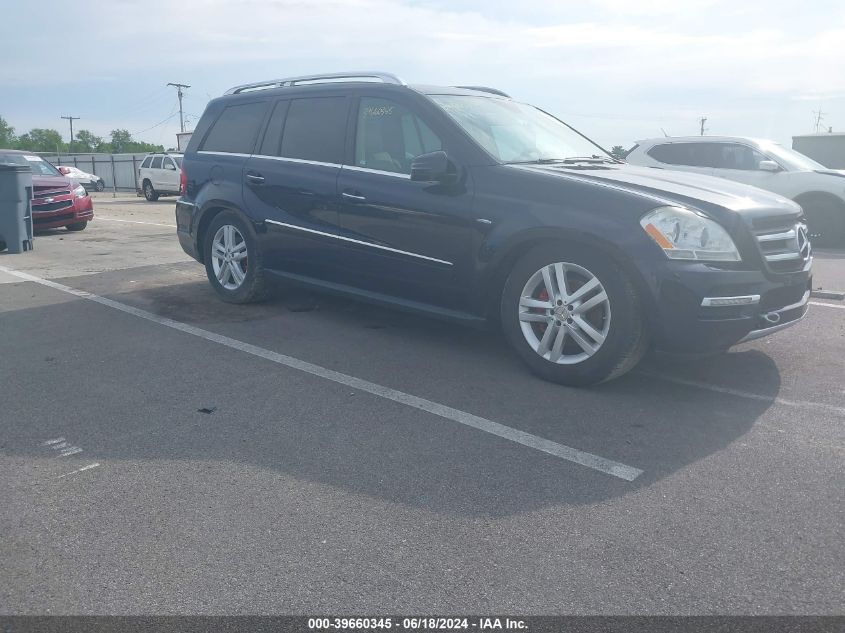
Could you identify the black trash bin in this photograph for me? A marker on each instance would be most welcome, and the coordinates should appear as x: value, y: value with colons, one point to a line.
x: 15, y: 208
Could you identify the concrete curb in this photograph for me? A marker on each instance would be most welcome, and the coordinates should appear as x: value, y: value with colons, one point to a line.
x: 828, y: 294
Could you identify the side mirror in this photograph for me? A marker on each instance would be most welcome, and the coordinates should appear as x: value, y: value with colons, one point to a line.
x: 64, y: 170
x: 768, y: 165
x: 433, y: 167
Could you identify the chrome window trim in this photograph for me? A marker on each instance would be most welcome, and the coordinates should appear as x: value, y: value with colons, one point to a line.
x: 381, y: 172
x: 213, y: 153
x: 354, y: 241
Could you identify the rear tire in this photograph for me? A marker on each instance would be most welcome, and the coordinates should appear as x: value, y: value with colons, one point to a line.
x: 100, y: 185
x: 231, y: 242
x: 599, y: 344
x: 149, y: 191
x: 77, y: 226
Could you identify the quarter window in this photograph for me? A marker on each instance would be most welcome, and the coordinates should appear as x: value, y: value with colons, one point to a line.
x: 389, y: 136
x: 156, y: 162
x: 235, y: 129
x: 147, y: 161
x: 315, y: 129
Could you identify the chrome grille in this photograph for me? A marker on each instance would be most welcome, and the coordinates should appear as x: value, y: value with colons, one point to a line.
x: 785, y: 248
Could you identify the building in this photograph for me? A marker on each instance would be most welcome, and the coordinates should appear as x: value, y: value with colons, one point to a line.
x: 827, y: 149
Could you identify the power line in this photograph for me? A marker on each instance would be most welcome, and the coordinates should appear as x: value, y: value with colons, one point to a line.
x: 152, y: 127
x: 179, y: 94
x: 71, y: 119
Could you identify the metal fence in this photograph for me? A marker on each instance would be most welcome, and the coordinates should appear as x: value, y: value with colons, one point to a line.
x: 118, y: 171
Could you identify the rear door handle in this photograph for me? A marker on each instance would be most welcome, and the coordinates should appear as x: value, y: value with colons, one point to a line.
x: 353, y: 197
x: 256, y: 179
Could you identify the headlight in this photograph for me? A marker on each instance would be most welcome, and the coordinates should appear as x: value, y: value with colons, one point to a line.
x: 80, y: 192
x: 685, y: 234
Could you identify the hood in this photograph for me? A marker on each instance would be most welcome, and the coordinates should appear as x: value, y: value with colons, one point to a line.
x: 832, y: 172
x: 707, y: 193
x: 59, y: 182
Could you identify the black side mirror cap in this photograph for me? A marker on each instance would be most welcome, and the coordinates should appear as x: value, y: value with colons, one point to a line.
x: 433, y: 167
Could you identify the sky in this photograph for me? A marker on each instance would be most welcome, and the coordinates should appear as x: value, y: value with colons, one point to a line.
x: 617, y: 70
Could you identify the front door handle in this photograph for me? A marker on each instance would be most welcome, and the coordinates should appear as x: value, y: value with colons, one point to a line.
x: 256, y: 179
x: 353, y: 197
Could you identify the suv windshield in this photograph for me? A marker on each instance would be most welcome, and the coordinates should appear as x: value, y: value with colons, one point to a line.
x: 515, y: 132
x: 39, y: 166
x: 790, y: 158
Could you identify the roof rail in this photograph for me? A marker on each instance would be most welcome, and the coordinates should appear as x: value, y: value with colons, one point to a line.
x: 387, y: 78
x: 492, y: 91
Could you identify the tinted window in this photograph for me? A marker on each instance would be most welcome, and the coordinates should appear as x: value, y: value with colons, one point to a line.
x: 168, y: 164
x: 273, y: 136
x: 735, y: 156
x: 235, y: 129
x: 389, y: 136
x: 147, y: 161
x: 690, y: 154
x: 315, y: 129
x: 156, y: 162
x: 177, y: 160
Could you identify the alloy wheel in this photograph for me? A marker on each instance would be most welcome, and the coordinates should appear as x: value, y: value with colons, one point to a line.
x: 229, y: 257
x: 564, y: 313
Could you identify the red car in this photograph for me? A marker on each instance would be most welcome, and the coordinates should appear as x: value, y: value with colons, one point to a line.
x: 56, y: 201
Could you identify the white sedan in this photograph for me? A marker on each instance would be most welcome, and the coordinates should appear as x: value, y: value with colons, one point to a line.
x: 79, y: 177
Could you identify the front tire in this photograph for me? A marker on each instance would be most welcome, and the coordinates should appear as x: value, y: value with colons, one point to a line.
x: 149, y: 191
x: 573, y: 315
x: 233, y: 261
x: 77, y: 226
x: 825, y: 221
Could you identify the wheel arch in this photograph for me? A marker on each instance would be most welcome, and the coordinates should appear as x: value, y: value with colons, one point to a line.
x: 500, y: 266
x: 210, y: 211
x: 805, y: 198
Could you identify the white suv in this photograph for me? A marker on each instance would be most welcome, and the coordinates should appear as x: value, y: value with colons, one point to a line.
x: 158, y: 175
x: 765, y: 164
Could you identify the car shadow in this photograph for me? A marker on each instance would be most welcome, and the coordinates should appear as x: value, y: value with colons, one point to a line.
x: 148, y: 389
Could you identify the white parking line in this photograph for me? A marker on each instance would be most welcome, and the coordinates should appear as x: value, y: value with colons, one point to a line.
x: 827, y: 305
x: 601, y: 464
x: 100, y: 217
x: 78, y: 470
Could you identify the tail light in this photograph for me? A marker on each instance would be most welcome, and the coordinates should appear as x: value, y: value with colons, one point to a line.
x: 183, y: 181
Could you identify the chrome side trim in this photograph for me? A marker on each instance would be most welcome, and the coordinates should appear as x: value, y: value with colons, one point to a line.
x: 744, y: 300
x: 349, y: 239
x: 376, y: 171
x: 301, y: 161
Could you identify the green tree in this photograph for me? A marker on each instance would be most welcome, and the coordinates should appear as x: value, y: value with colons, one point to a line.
x: 85, y: 141
x: 7, y: 135
x: 617, y: 151
x: 42, y: 140
x: 120, y: 140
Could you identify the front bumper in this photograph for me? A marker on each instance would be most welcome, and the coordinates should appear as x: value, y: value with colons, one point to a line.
x: 82, y: 210
x: 694, y: 318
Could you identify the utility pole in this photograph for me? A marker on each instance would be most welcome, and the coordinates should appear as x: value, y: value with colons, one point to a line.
x: 819, y: 116
x: 71, y: 119
x: 702, y: 121
x: 179, y: 94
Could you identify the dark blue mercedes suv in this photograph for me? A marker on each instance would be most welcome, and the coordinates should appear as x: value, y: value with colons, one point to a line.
x: 467, y: 205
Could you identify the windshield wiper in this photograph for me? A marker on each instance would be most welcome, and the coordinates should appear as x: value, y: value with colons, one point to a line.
x: 589, y: 159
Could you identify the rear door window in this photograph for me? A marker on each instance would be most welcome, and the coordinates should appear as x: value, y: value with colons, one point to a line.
x: 272, y: 141
x: 315, y: 129
x: 688, y: 154
x: 235, y: 129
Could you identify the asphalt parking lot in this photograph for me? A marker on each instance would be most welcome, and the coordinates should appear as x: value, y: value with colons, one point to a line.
x: 164, y: 452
